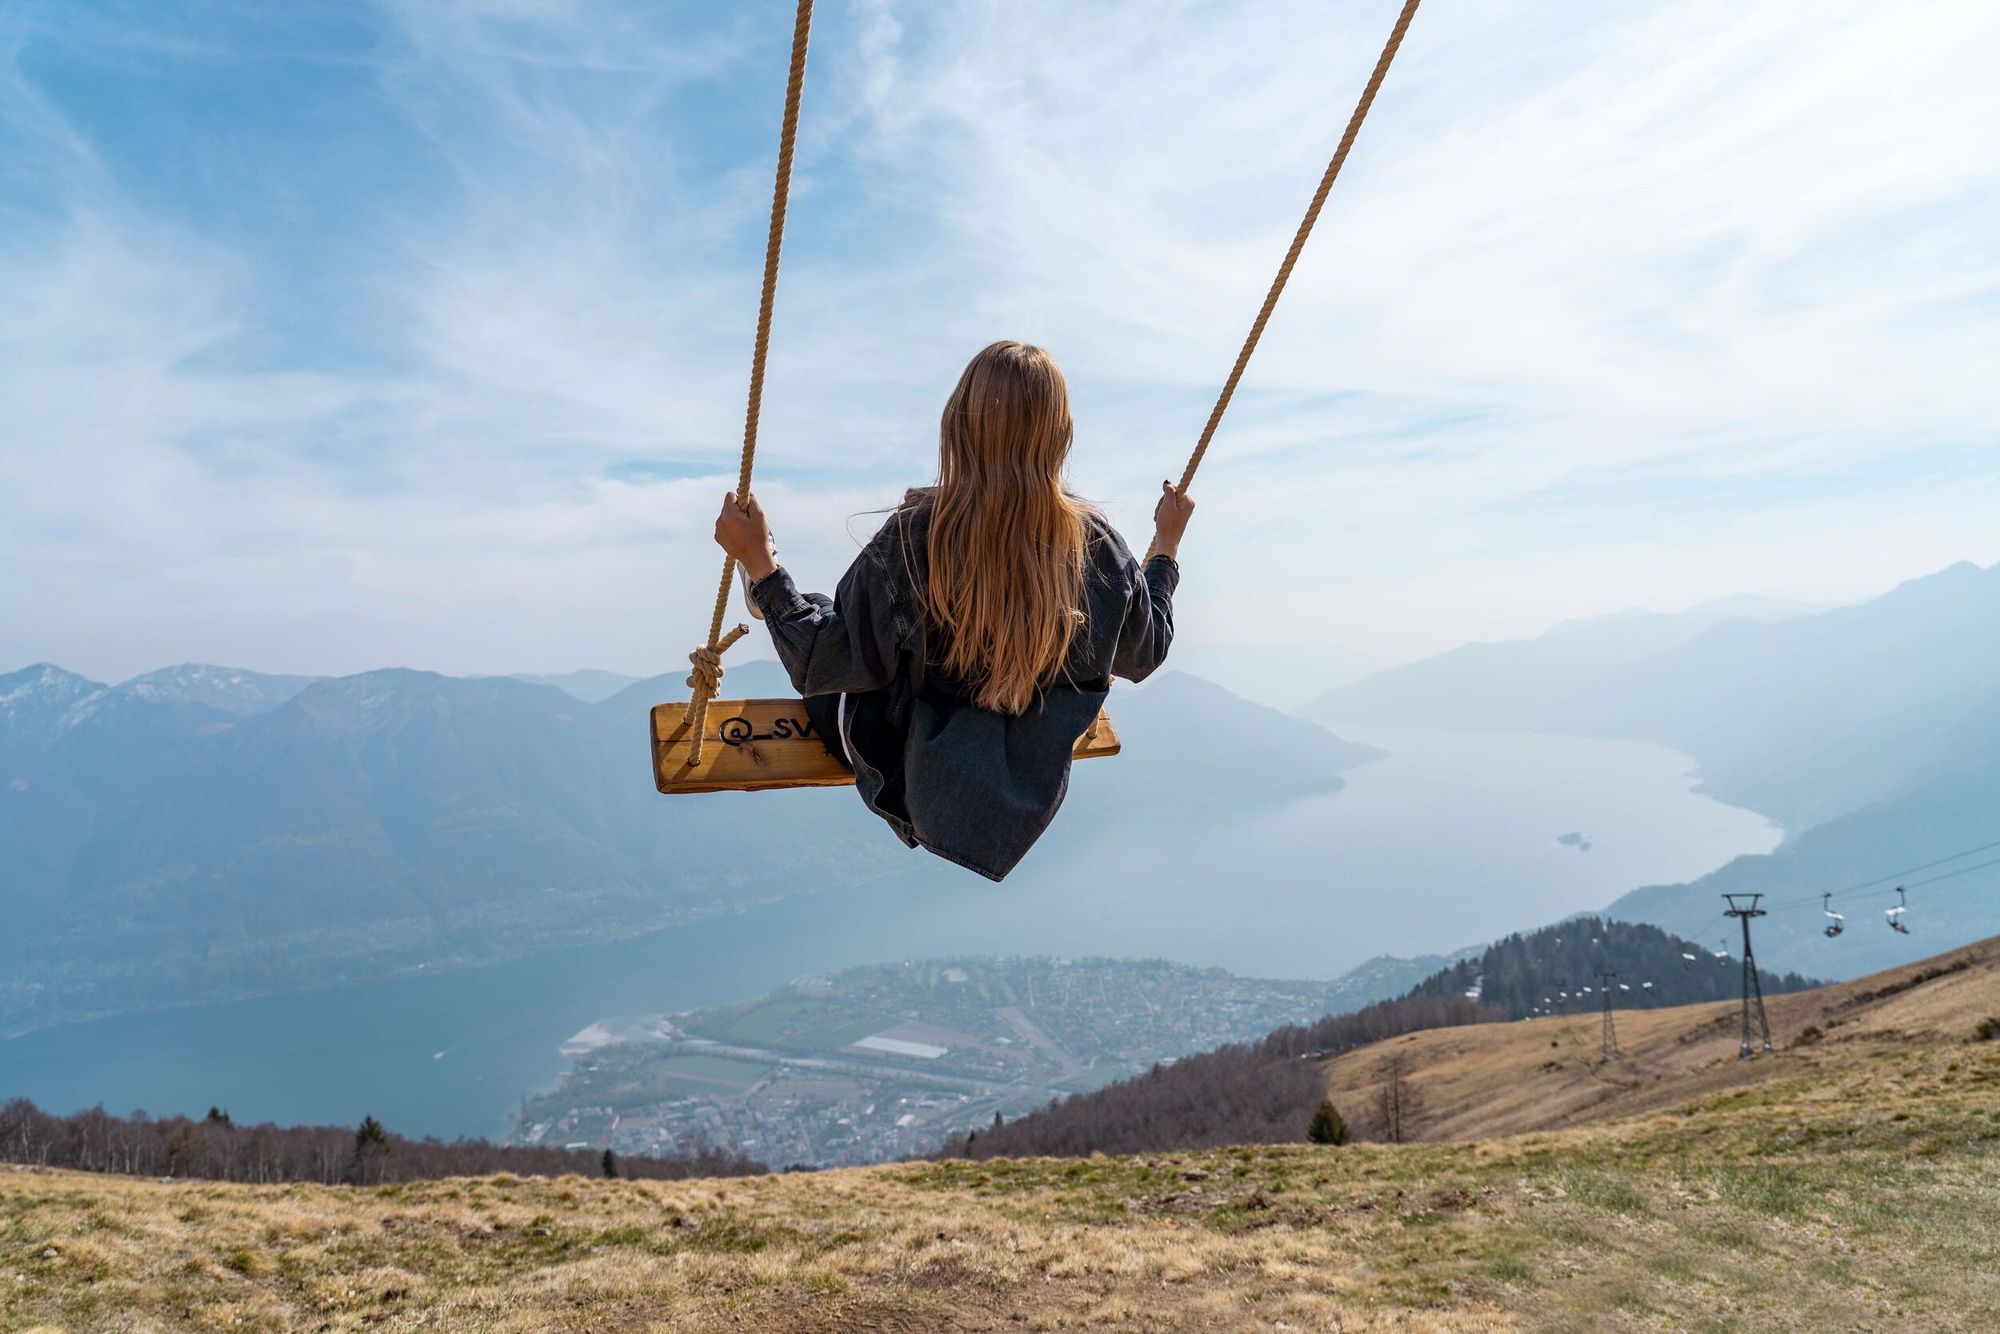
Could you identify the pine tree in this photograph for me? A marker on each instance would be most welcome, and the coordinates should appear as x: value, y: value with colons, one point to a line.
x: 1328, y: 1125
x: 370, y: 1135
x: 371, y: 1150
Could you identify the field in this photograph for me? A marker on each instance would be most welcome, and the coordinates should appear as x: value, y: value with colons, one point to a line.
x: 1852, y: 1182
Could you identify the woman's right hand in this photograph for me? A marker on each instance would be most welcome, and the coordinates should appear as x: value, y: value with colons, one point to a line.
x: 1170, y: 521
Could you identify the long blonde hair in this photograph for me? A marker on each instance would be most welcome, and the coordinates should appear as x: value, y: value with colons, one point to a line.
x: 1007, y: 537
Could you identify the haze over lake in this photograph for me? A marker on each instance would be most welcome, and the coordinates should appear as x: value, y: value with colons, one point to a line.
x: 1450, y: 841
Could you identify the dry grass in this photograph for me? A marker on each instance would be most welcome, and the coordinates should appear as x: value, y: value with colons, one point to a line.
x: 1858, y: 1190
x: 1544, y: 1074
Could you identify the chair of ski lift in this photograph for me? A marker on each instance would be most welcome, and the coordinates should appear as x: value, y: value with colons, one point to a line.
x: 1687, y: 962
x: 1835, y: 923
x: 1895, y: 914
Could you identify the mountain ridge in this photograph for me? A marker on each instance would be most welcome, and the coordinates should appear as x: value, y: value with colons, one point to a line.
x: 165, y: 831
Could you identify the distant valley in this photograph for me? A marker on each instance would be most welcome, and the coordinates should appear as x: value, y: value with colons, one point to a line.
x: 888, y: 1060
x: 201, y: 833
x: 1870, y: 731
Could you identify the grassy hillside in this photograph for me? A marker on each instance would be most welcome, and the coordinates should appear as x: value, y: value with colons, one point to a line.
x: 1854, y: 1040
x: 1851, y: 1182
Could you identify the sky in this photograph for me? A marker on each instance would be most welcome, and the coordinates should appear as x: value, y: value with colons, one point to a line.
x: 344, y: 334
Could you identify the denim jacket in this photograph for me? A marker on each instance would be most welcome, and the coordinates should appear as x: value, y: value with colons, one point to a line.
x: 974, y: 786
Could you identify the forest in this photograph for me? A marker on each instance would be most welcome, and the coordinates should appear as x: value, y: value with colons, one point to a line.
x: 1528, y: 972
x: 215, y: 1148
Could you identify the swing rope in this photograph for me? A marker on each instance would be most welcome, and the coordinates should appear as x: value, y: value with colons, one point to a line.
x: 706, y: 678
x: 1299, y: 240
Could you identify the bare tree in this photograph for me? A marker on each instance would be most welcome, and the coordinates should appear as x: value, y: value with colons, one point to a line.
x: 216, y: 1148
x: 1395, y: 1101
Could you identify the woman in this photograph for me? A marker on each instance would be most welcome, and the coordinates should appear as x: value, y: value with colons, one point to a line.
x: 976, y: 635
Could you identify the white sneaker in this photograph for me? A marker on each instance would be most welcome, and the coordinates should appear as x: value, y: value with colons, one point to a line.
x: 743, y: 578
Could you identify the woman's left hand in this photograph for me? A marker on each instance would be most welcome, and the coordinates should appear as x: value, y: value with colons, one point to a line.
x: 742, y: 532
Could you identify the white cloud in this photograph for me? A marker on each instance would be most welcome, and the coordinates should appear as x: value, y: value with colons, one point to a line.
x: 1626, y: 304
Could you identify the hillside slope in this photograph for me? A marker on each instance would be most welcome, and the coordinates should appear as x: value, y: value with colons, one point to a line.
x: 1854, y: 1187
x: 1547, y: 1074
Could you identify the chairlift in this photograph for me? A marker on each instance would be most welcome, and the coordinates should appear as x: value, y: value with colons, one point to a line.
x: 1585, y: 991
x: 1722, y: 954
x: 1896, y: 913
x: 1687, y: 961
x: 1835, y: 923
x: 1645, y: 986
x: 1623, y: 987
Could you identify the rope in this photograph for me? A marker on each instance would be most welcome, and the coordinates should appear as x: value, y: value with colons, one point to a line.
x: 706, y: 679
x: 1299, y: 240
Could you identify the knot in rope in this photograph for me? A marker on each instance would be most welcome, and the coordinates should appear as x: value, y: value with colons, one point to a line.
x: 705, y: 680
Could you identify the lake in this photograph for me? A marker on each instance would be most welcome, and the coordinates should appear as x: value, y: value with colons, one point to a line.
x: 1451, y: 841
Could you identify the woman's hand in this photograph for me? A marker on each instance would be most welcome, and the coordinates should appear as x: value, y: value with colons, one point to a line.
x: 1170, y: 521
x: 742, y: 532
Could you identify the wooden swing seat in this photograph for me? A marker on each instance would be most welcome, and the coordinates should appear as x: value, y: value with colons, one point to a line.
x: 757, y: 744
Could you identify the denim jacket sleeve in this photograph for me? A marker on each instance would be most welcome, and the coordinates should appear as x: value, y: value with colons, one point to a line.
x: 846, y: 644
x: 1148, y: 629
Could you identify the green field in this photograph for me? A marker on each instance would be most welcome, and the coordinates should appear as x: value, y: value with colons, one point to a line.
x: 714, y: 1067
x: 637, y: 1076
x: 804, y: 1024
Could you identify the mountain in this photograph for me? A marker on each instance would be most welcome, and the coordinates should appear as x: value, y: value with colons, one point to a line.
x: 1803, y: 717
x: 1176, y: 727
x: 589, y: 685
x: 228, y: 689
x: 35, y: 704
x: 1871, y: 731
x: 1522, y: 683
x: 202, y: 833
x: 1811, y: 717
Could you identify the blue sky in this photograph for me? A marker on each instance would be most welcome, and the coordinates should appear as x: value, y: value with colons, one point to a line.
x: 346, y: 334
